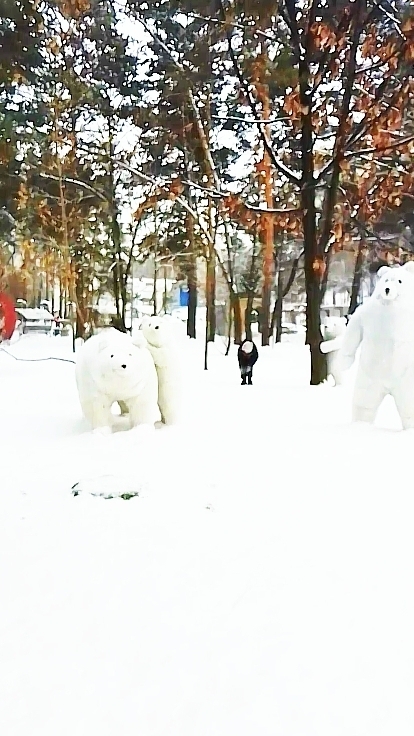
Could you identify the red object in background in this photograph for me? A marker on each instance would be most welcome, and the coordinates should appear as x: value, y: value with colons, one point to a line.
x: 9, y: 314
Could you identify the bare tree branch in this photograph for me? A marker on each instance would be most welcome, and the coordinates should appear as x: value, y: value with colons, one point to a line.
x: 237, y: 26
x: 390, y: 17
x: 250, y: 121
x: 381, y: 149
x: 364, y: 230
x: 76, y: 182
x: 215, y: 194
x: 362, y: 128
x: 279, y: 165
x: 184, y: 204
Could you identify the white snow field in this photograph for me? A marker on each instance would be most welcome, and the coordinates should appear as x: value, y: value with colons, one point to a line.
x: 261, y: 584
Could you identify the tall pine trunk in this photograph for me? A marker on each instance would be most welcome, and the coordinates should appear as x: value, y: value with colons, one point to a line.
x: 154, y: 291
x: 278, y: 310
x: 192, y: 282
x: 211, y: 277
x: 248, y: 315
x: 237, y: 317
x: 115, y: 232
x: 313, y: 317
x: 192, y: 306
x: 80, y: 305
x: 211, y: 296
x: 314, y: 260
x: 210, y: 290
x: 267, y: 244
x: 282, y: 293
x: 266, y: 223
x: 251, y: 290
x: 61, y: 297
x: 357, y: 278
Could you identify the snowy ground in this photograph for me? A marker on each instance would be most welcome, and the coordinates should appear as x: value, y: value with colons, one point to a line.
x: 261, y: 584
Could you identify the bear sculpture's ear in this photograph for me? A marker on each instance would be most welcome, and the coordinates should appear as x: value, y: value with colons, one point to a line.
x: 409, y: 266
x: 382, y: 271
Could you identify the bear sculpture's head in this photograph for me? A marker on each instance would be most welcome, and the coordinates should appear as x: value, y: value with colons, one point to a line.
x: 395, y: 283
x: 334, y: 327
x: 119, y: 367
x: 157, y: 331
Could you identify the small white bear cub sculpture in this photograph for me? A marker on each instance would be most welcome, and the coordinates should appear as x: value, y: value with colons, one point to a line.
x: 109, y: 369
x: 160, y: 336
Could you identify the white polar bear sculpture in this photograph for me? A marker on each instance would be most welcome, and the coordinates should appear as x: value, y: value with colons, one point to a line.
x: 334, y: 330
x: 110, y: 369
x: 384, y: 327
x: 159, y: 332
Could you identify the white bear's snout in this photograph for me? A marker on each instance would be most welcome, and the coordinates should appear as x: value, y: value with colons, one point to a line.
x: 389, y: 291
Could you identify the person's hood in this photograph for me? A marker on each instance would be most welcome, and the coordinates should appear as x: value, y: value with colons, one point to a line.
x: 247, y: 346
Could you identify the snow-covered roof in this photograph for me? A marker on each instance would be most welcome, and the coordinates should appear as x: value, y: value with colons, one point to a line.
x: 34, y: 315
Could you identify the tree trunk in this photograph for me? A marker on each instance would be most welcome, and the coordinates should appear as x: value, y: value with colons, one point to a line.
x: 192, y: 282
x: 230, y: 327
x: 154, y: 291
x: 278, y: 310
x: 206, y: 348
x: 80, y: 306
x: 315, y: 251
x: 211, y: 297
x: 319, y: 366
x: 279, y: 317
x: 115, y: 279
x: 117, y: 271
x: 313, y: 323
x: 356, y: 281
x: 123, y: 290
x: 251, y: 290
x: 61, y: 298
x: 267, y: 250
x: 314, y: 259
x: 207, y: 328
x: 325, y: 277
x: 248, y: 316
x: 192, y: 307
x: 165, y: 295
x: 237, y: 317
x: 266, y: 222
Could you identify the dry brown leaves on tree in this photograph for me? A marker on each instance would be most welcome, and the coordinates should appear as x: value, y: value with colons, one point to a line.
x: 73, y: 8
x: 169, y: 191
x: 254, y: 220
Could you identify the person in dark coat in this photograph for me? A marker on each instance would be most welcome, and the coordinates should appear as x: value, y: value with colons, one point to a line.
x: 57, y: 324
x: 247, y: 356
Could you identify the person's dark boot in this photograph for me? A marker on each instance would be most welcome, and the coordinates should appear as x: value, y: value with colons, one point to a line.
x: 243, y: 381
x: 250, y: 382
